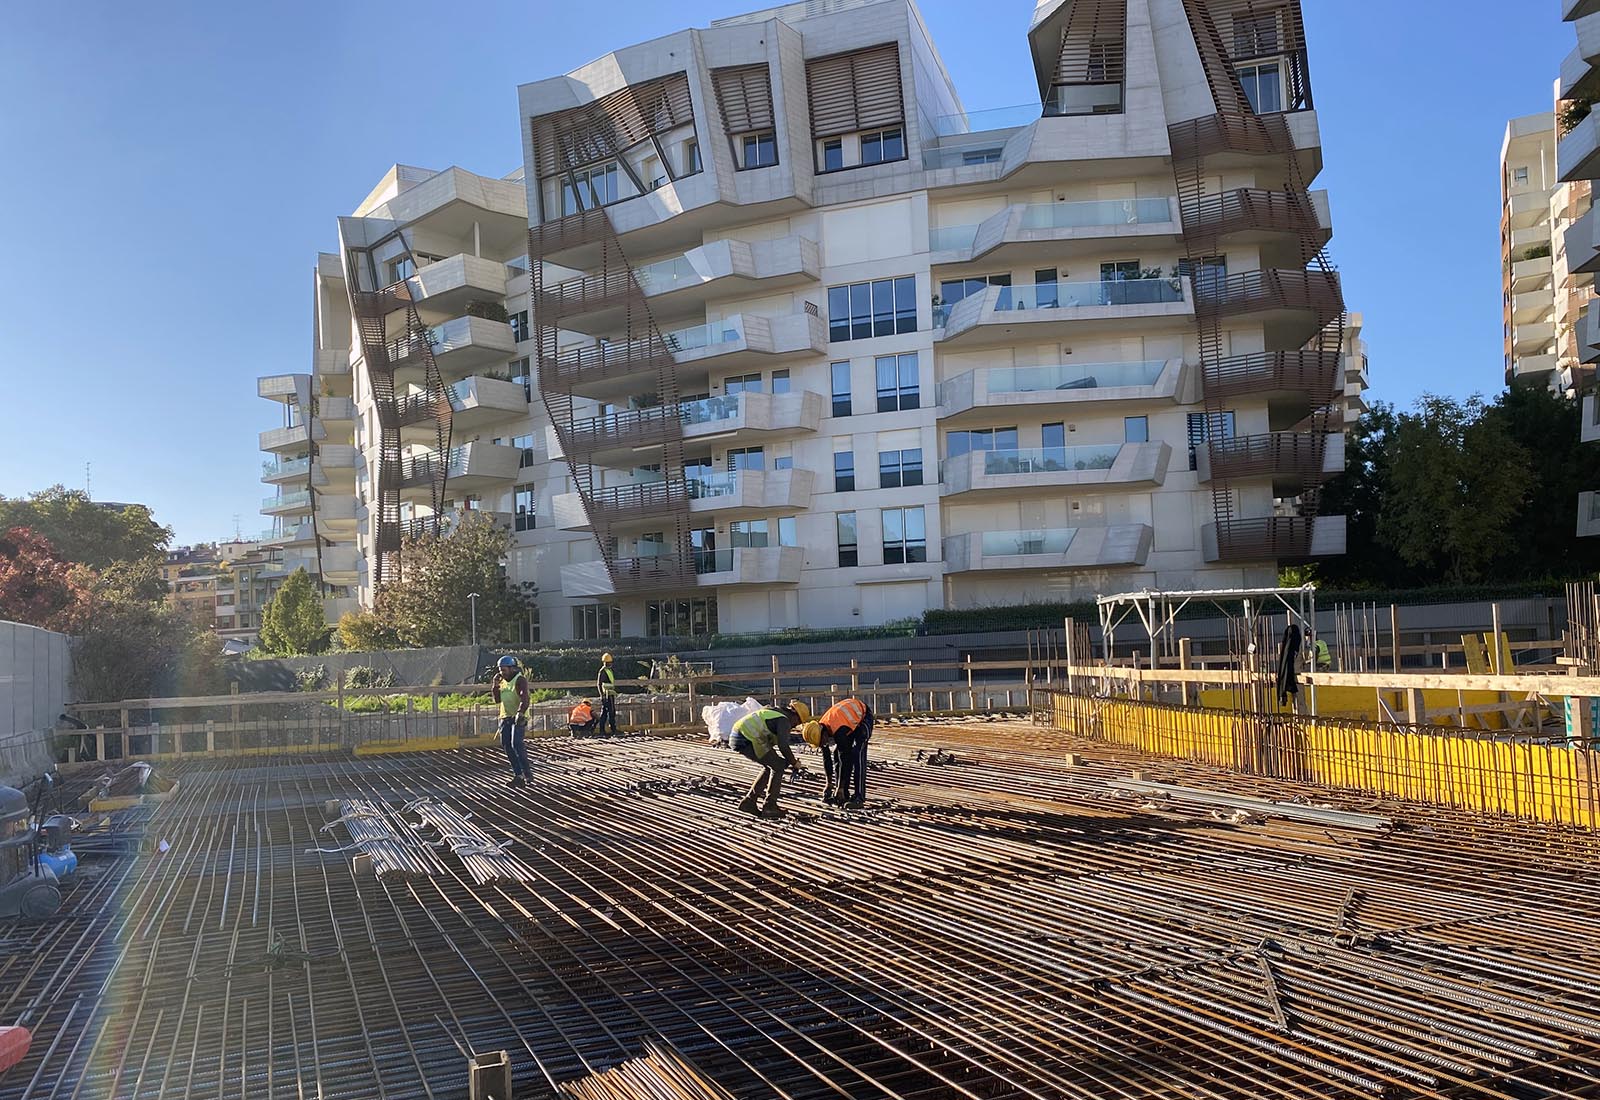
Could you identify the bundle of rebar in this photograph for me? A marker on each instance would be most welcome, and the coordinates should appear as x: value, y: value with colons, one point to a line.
x: 485, y: 859
x: 393, y: 850
x: 660, y: 1072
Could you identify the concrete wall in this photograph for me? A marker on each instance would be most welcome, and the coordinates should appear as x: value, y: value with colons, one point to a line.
x: 34, y: 669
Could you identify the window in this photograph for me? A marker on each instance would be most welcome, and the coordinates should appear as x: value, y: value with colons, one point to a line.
x: 980, y: 156
x: 592, y: 622
x: 748, y: 533
x: 899, y: 469
x: 746, y: 458
x: 1044, y: 288
x: 590, y: 187
x: 1255, y: 35
x: 783, y: 462
x: 654, y: 177
x: 897, y: 382
x: 523, y: 505
x: 879, y: 308
x: 525, y: 444
x: 905, y: 538
x: 691, y: 157
x: 528, y: 627
x: 519, y: 326
x: 952, y: 291
x: 1053, y: 437
x: 788, y: 532
x: 758, y: 150
x: 521, y: 376
x: 401, y: 269
x: 1119, y: 270
x: 832, y: 155
x: 841, y: 389
x: 780, y: 381
x: 1199, y: 431
x: 982, y: 439
x: 1519, y: 175
x: 883, y: 145
x: 845, y: 523
x: 744, y: 383
x: 844, y: 471
x: 1210, y: 274
x: 681, y: 618
x: 1136, y: 429
x: 1263, y: 86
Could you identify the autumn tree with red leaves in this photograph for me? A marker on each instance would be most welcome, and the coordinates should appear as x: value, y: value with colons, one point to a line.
x: 37, y: 587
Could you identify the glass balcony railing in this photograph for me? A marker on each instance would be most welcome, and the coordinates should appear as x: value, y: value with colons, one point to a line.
x: 952, y: 237
x: 298, y: 499
x: 1078, y: 376
x: 726, y: 331
x: 711, y: 486
x: 1074, y: 215
x: 1105, y: 292
x: 288, y: 467
x: 1039, y: 460
x: 713, y: 561
x: 667, y: 275
x: 709, y: 410
x: 993, y: 118
x: 1018, y: 543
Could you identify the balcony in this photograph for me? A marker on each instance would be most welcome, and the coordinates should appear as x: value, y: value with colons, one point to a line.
x: 479, y: 402
x: 1252, y: 215
x: 1528, y: 209
x: 652, y: 574
x: 604, y: 369
x: 446, y: 286
x: 1582, y: 245
x: 294, y: 388
x: 1525, y: 240
x: 286, y: 469
x: 297, y: 502
x: 1531, y: 305
x: 1064, y: 548
x: 1298, y: 377
x: 1280, y: 296
x: 1578, y: 152
x: 749, y: 565
x: 1536, y: 274
x: 1047, y: 389
x: 615, y: 434
x: 340, y: 564
x: 1273, y: 539
x: 335, y: 464
x: 1044, y: 232
x: 460, y: 346
x: 1589, y: 425
x: 470, y: 467
x: 1294, y: 460
x: 297, y: 438
x: 1588, y: 334
x: 1055, y: 311
x: 331, y: 363
x: 336, y: 607
x: 1028, y: 472
x: 1534, y: 366
x: 1577, y: 9
x: 336, y: 411
x: 635, y: 502
x: 336, y: 510
x: 755, y: 492
x: 753, y: 341
x: 1535, y: 339
x: 752, y: 415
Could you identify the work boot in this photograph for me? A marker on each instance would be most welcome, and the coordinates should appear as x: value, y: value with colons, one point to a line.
x: 518, y: 781
x: 772, y: 811
x: 856, y: 804
x: 748, y: 806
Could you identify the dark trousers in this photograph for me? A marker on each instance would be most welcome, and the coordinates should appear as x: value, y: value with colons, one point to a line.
x: 608, y: 713
x: 851, y: 750
x: 583, y: 727
x: 511, y: 739
x: 770, y: 782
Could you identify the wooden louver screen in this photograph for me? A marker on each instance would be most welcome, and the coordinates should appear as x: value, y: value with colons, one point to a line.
x: 744, y: 96
x: 1093, y: 43
x: 855, y: 91
x: 614, y: 122
x: 1259, y: 28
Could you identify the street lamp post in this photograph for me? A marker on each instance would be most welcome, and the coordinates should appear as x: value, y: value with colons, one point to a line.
x: 472, y: 598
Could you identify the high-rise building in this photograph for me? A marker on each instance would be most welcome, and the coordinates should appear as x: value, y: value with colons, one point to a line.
x: 771, y: 331
x: 1577, y: 166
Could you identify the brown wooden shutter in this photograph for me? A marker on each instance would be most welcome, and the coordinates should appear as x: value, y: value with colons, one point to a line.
x: 614, y: 122
x: 744, y: 96
x: 855, y: 91
x: 1093, y: 43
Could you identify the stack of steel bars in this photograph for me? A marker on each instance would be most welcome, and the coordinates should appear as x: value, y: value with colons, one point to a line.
x: 391, y: 847
x: 486, y: 860
x: 1009, y: 925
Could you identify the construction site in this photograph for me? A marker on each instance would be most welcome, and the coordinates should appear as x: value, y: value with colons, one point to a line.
x: 1148, y: 876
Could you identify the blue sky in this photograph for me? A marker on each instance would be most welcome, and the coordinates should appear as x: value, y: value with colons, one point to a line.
x: 171, y: 169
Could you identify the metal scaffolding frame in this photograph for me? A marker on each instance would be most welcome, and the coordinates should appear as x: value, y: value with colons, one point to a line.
x: 1158, y: 610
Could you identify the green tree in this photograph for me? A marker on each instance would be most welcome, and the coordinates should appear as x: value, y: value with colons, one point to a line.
x: 142, y: 650
x: 428, y: 605
x: 364, y: 632
x: 293, y: 622
x: 1547, y: 427
x: 1456, y: 482
x: 83, y: 531
x: 1359, y: 495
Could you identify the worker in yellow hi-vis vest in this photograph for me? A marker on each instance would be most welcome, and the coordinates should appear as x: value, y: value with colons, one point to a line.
x: 605, y: 686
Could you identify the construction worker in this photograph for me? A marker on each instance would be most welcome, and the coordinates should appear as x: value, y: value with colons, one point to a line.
x: 764, y: 738
x: 582, y: 718
x: 605, y: 686
x: 843, y: 731
x: 511, y: 689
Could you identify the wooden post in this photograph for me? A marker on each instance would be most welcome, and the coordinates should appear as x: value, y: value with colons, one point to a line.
x: 1495, y: 662
x: 971, y: 703
x: 1185, y: 648
x: 434, y: 698
x: 775, y: 690
x: 1416, y: 712
x: 855, y: 677
x: 1394, y: 634
x: 911, y: 688
x: 100, y: 743
x: 233, y: 689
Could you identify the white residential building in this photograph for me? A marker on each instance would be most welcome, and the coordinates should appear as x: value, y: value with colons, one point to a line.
x: 1577, y: 166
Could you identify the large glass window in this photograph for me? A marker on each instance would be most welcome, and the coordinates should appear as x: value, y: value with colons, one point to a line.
x: 849, y: 550
x: 841, y: 389
x: 681, y: 618
x: 592, y: 622
x: 882, y: 307
x: 905, y: 538
x: 1136, y: 429
x: 1263, y: 86
x: 883, y: 145
x: 832, y: 155
x: 758, y: 150
x: 524, y: 445
x: 519, y: 326
x: 528, y: 627
x: 595, y: 186
x: 744, y: 383
x: 844, y: 471
x: 780, y: 381
x: 748, y: 533
x: 981, y: 439
x: 747, y: 458
x: 1202, y: 426
x: 898, y: 469
x: 898, y: 387
x: 524, y: 506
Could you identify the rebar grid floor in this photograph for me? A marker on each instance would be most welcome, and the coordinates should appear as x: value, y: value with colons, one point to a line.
x: 1003, y: 926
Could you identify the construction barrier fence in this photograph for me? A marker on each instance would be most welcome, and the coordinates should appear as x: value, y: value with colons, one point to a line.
x: 1533, y: 778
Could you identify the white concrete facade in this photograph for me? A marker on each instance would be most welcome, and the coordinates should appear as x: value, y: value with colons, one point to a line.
x: 1578, y: 165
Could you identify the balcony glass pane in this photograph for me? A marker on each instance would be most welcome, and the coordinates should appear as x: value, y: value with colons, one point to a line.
x: 712, y: 485
x: 710, y: 409
x: 1071, y: 215
x: 951, y: 237
x: 1046, y: 460
x: 1076, y: 376
x: 1005, y: 543
x: 668, y: 275
x: 1105, y: 292
x: 726, y: 331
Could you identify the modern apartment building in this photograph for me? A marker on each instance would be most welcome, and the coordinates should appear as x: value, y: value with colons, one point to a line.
x: 225, y: 587
x: 818, y: 346
x: 1578, y: 165
x: 1544, y: 294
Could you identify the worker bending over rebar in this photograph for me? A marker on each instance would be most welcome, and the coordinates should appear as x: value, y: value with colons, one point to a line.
x: 764, y: 738
x: 843, y: 732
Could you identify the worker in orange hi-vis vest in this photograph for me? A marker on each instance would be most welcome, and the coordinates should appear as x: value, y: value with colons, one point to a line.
x: 844, y: 730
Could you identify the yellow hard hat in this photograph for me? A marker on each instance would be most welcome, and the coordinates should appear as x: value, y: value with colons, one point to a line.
x: 812, y: 732
x: 801, y: 709
x: 605, y: 658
